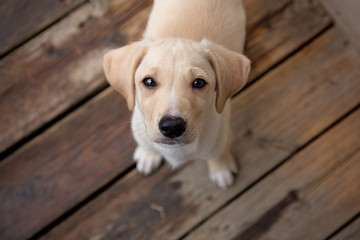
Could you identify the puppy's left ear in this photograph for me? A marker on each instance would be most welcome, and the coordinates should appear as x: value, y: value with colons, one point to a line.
x: 231, y: 70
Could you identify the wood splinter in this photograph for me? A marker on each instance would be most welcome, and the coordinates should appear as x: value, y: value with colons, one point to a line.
x: 160, y: 209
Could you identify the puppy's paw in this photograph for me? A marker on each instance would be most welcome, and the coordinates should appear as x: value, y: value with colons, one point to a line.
x: 146, y: 161
x: 223, y: 179
x: 222, y: 170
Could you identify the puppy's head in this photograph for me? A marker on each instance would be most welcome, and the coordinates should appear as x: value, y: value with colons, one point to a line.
x: 177, y: 84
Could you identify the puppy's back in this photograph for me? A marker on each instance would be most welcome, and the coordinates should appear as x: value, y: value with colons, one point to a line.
x: 222, y: 22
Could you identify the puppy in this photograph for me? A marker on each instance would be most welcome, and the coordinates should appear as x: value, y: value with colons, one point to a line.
x: 178, y: 81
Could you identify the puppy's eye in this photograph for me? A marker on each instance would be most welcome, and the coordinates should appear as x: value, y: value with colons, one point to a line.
x: 199, y: 83
x: 149, y: 82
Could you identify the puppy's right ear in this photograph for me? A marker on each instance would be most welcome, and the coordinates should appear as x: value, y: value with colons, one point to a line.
x: 120, y: 66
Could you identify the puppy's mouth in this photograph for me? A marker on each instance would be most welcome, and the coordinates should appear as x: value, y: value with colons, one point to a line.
x: 172, y: 142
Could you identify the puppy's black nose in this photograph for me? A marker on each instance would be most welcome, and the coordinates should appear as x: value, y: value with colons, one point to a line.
x: 172, y: 127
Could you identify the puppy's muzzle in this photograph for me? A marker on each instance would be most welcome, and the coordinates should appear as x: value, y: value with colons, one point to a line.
x: 172, y: 127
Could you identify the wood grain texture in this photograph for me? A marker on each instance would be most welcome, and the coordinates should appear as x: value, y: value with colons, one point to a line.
x: 306, y: 198
x: 63, y: 65
x: 64, y: 165
x: 272, y: 118
x: 21, y: 19
x: 346, y: 14
x: 351, y: 232
x: 290, y: 19
x: 46, y: 152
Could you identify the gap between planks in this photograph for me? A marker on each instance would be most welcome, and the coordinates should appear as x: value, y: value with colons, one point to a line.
x: 47, y: 125
x: 82, y: 203
x: 353, y: 222
x: 39, y: 29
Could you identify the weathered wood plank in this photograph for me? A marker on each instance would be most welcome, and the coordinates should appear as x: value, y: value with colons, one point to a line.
x: 308, y: 198
x: 64, y: 165
x: 346, y: 14
x: 262, y: 44
x: 42, y: 157
x: 351, y: 232
x: 272, y: 118
x: 63, y: 65
x: 21, y: 19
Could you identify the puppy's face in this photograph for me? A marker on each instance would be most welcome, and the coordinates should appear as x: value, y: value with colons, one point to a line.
x: 178, y: 85
x: 175, y: 91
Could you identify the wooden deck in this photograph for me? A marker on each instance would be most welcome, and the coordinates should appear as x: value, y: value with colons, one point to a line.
x: 66, y: 170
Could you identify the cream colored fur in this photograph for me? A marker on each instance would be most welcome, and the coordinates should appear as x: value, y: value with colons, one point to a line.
x: 184, y: 40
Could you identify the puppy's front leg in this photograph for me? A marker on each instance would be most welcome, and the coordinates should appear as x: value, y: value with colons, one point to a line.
x: 223, y: 168
x: 146, y: 161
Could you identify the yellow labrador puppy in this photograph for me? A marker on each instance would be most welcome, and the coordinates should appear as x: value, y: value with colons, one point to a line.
x: 178, y: 81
